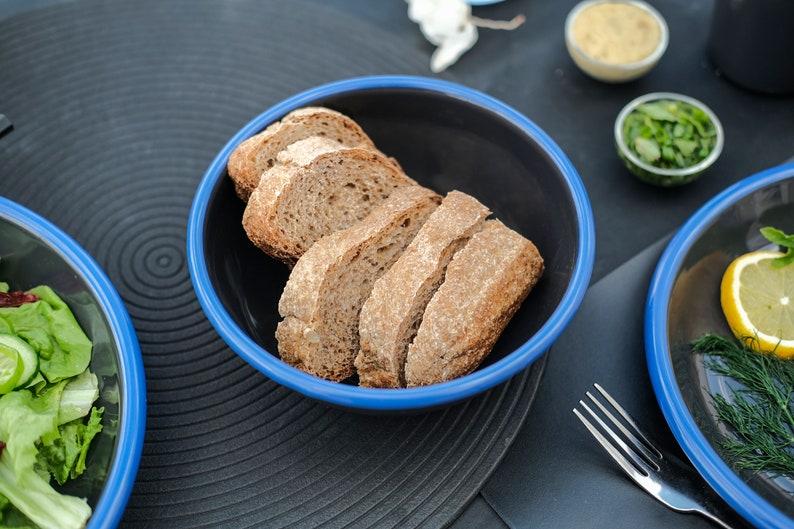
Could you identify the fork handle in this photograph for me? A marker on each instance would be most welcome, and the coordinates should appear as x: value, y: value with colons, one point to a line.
x: 715, y: 509
x: 5, y: 125
x: 714, y: 518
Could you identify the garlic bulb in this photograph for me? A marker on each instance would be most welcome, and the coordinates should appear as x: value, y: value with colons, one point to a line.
x: 449, y: 25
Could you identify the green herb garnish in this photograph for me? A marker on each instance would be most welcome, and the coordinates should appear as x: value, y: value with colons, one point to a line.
x: 669, y: 134
x: 778, y: 237
x: 760, y: 412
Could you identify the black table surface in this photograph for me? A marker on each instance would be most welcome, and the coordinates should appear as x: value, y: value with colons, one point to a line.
x: 554, y: 475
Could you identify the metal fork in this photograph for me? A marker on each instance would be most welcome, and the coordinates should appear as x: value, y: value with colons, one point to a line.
x: 663, y: 476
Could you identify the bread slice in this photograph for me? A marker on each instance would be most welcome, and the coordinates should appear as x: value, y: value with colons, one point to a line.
x: 302, y: 152
x: 486, y: 282
x: 315, y: 192
x: 391, y: 315
x: 323, y: 296
x: 259, y: 153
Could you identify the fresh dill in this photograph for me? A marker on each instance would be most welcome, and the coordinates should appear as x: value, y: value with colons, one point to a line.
x: 760, y: 412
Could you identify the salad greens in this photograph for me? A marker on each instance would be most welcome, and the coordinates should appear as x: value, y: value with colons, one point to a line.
x: 669, y: 134
x: 46, y: 425
x: 51, y: 329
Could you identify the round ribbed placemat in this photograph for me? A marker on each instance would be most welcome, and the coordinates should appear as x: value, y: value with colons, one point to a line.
x: 118, y: 107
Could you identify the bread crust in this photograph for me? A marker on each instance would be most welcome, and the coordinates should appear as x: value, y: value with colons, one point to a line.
x: 391, y: 315
x: 254, y: 156
x: 484, y: 286
x: 315, y: 191
x: 323, y: 296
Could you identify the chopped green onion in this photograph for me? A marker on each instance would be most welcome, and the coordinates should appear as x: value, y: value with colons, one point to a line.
x: 669, y: 134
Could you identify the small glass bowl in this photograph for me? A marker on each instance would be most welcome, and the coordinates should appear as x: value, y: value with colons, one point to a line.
x: 655, y: 175
x: 614, y: 72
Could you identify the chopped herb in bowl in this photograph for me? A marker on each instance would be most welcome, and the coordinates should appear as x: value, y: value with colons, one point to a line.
x: 668, y: 139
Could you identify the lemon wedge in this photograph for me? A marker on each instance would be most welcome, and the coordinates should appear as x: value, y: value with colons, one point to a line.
x: 758, y: 302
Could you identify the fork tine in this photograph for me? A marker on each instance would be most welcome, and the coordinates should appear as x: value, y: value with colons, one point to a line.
x: 616, y: 454
x: 644, y: 438
x: 628, y: 459
x: 642, y: 445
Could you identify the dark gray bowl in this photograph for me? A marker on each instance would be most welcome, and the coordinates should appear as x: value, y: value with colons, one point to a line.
x: 446, y: 137
x: 684, y: 304
x: 33, y: 251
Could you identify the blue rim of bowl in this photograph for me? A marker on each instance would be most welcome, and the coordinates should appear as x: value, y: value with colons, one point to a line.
x: 390, y: 399
x: 702, y: 455
x: 129, y: 443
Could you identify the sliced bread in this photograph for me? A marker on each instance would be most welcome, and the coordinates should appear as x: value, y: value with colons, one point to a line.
x: 259, y: 153
x: 315, y: 192
x: 323, y: 296
x: 391, y: 315
x: 485, y: 283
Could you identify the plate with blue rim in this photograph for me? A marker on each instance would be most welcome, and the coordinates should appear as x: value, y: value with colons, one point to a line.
x: 34, y: 251
x: 683, y: 305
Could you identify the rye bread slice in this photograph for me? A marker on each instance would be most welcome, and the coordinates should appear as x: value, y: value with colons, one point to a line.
x: 315, y: 192
x: 391, y: 315
x: 486, y: 282
x: 254, y: 156
x: 323, y: 296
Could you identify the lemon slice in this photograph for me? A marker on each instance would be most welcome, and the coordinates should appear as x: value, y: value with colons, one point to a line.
x: 758, y: 301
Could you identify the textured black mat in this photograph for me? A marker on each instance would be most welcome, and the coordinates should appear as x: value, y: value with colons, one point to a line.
x: 118, y: 107
x: 574, y: 465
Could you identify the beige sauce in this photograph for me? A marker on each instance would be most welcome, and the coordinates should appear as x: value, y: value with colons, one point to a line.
x: 616, y: 33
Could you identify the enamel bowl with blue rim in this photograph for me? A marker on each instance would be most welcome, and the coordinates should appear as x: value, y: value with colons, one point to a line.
x: 33, y: 252
x: 445, y: 136
x: 683, y: 305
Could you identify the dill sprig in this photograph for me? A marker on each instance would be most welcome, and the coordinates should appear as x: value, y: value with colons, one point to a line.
x: 760, y: 412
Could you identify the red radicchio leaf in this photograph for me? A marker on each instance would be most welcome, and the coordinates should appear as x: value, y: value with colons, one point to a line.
x: 16, y: 298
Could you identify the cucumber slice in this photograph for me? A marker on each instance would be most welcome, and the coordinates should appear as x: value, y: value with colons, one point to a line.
x: 28, y: 358
x: 10, y: 369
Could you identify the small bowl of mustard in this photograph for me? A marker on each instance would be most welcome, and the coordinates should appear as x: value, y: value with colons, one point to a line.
x: 615, y: 40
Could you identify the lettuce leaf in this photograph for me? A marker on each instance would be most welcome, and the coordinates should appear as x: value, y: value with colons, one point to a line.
x: 63, y: 451
x: 24, y: 420
x: 49, y: 326
x: 77, y: 397
x: 11, y: 518
x: 65, y: 456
